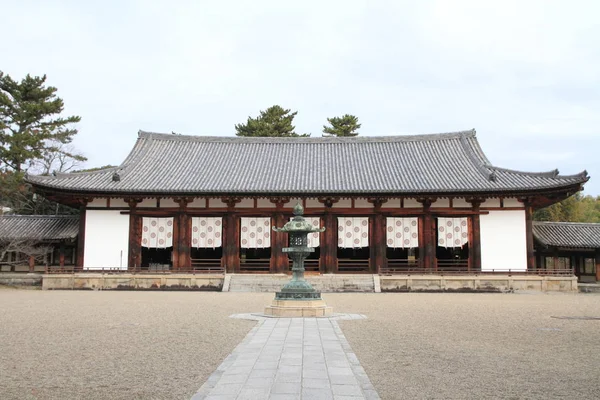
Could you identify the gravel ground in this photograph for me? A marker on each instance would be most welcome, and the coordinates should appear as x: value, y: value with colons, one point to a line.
x: 474, y: 346
x: 156, y: 345
x: 116, y: 345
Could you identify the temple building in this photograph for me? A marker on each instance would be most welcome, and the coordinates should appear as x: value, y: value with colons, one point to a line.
x: 565, y: 245
x: 33, y: 243
x: 389, y: 205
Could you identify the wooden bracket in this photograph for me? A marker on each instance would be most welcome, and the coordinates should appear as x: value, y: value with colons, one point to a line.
x: 328, y: 201
x: 231, y: 201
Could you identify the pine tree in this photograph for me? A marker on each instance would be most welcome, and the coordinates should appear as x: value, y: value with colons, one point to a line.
x: 30, y: 125
x: 344, y: 126
x: 275, y: 121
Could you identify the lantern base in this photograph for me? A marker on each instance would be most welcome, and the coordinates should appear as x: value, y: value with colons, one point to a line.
x: 298, y: 309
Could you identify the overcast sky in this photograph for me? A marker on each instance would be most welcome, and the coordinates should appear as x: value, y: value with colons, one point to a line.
x: 524, y: 74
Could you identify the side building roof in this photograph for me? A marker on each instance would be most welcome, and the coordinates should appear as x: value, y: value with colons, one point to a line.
x: 203, y: 165
x: 39, y: 227
x: 567, y: 234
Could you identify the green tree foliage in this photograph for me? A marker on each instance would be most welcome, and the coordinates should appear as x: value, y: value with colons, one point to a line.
x: 275, y: 121
x: 345, y: 126
x: 577, y: 208
x: 34, y: 137
x: 31, y: 128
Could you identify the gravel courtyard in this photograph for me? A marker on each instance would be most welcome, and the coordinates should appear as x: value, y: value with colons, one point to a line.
x: 156, y: 345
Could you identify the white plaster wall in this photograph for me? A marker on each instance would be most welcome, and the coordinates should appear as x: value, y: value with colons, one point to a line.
x: 412, y: 203
x: 313, y: 203
x: 118, y: 203
x: 106, y: 239
x: 198, y: 202
x: 503, y: 241
x: 245, y: 203
x: 97, y: 203
x: 265, y: 203
x: 147, y: 203
x: 343, y: 203
x: 491, y: 203
x: 168, y: 203
x: 441, y: 203
x: 362, y: 203
x: 461, y: 203
x: 392, y: 203
x: 214, y: 202
x: 512, y: 202
x: 292, y: 203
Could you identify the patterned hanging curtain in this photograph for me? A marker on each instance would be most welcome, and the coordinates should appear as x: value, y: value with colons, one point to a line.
x: 255, y: 233
x: 353, y: 232
x: 452, y: 232
x: 206, y: 232
x: 403, y: 232
x: 313, y: 238
x: 157, y: 232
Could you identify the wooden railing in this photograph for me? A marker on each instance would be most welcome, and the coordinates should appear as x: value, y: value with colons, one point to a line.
x: 350, y: 265
x: 137, y: 271
x: 416, y: 270
x: 255, y: 265
x: 207, y: 265
x: 453, y: 263
x: 310, y: 265
x: 400, y: 265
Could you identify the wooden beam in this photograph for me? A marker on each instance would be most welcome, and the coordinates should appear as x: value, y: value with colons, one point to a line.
x: 81, y: 239
x: 529, y: 237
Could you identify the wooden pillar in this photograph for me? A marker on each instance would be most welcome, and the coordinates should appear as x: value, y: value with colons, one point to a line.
x: 597, y: 264
x: 181, y: 237
x: 31, y: 263
x: 475, y: 236
x: 428, y: 244
x: 279, y: 260
x: 134, y: 258
x: 529, y: 237
x: 377, y: 239
x: 61, y: 255
x: 81, y: 238
x: 231, y: 243
x: 329, y: 243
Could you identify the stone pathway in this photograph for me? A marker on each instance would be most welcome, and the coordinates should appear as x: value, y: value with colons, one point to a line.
x: 290, y: 358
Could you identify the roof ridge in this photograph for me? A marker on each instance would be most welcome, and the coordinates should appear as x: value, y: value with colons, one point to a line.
x: 62, y: 216
x: 481, y: 167
x: 566, y: 223
x: 546, y: 174
x: 325, y: 139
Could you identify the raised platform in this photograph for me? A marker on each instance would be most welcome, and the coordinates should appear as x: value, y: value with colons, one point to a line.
x: 298, y: 308
x: 325, y: 283
x: 125, y: 281
x: 498, y: 283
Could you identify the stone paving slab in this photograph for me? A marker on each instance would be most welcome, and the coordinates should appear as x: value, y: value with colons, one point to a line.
x: 290, y: 358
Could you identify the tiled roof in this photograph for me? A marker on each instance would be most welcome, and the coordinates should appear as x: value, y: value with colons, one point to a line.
x: 39, y: 227
x: 439, y: 163
x: 567, y: 234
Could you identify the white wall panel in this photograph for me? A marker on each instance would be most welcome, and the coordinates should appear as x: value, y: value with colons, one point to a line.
x: 106, y: 239
x: 503, y: 241
x: 412, y: 203
x: 265, y: 203
x: 512, y: 202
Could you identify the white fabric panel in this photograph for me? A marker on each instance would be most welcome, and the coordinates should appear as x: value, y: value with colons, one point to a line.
x: 452, y: 232
x: 255, y: 233
x: 313, y: 238
x: 353, y: 232
x: 157, y: 232
x: 206, y: 232
x: 403, y: 232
